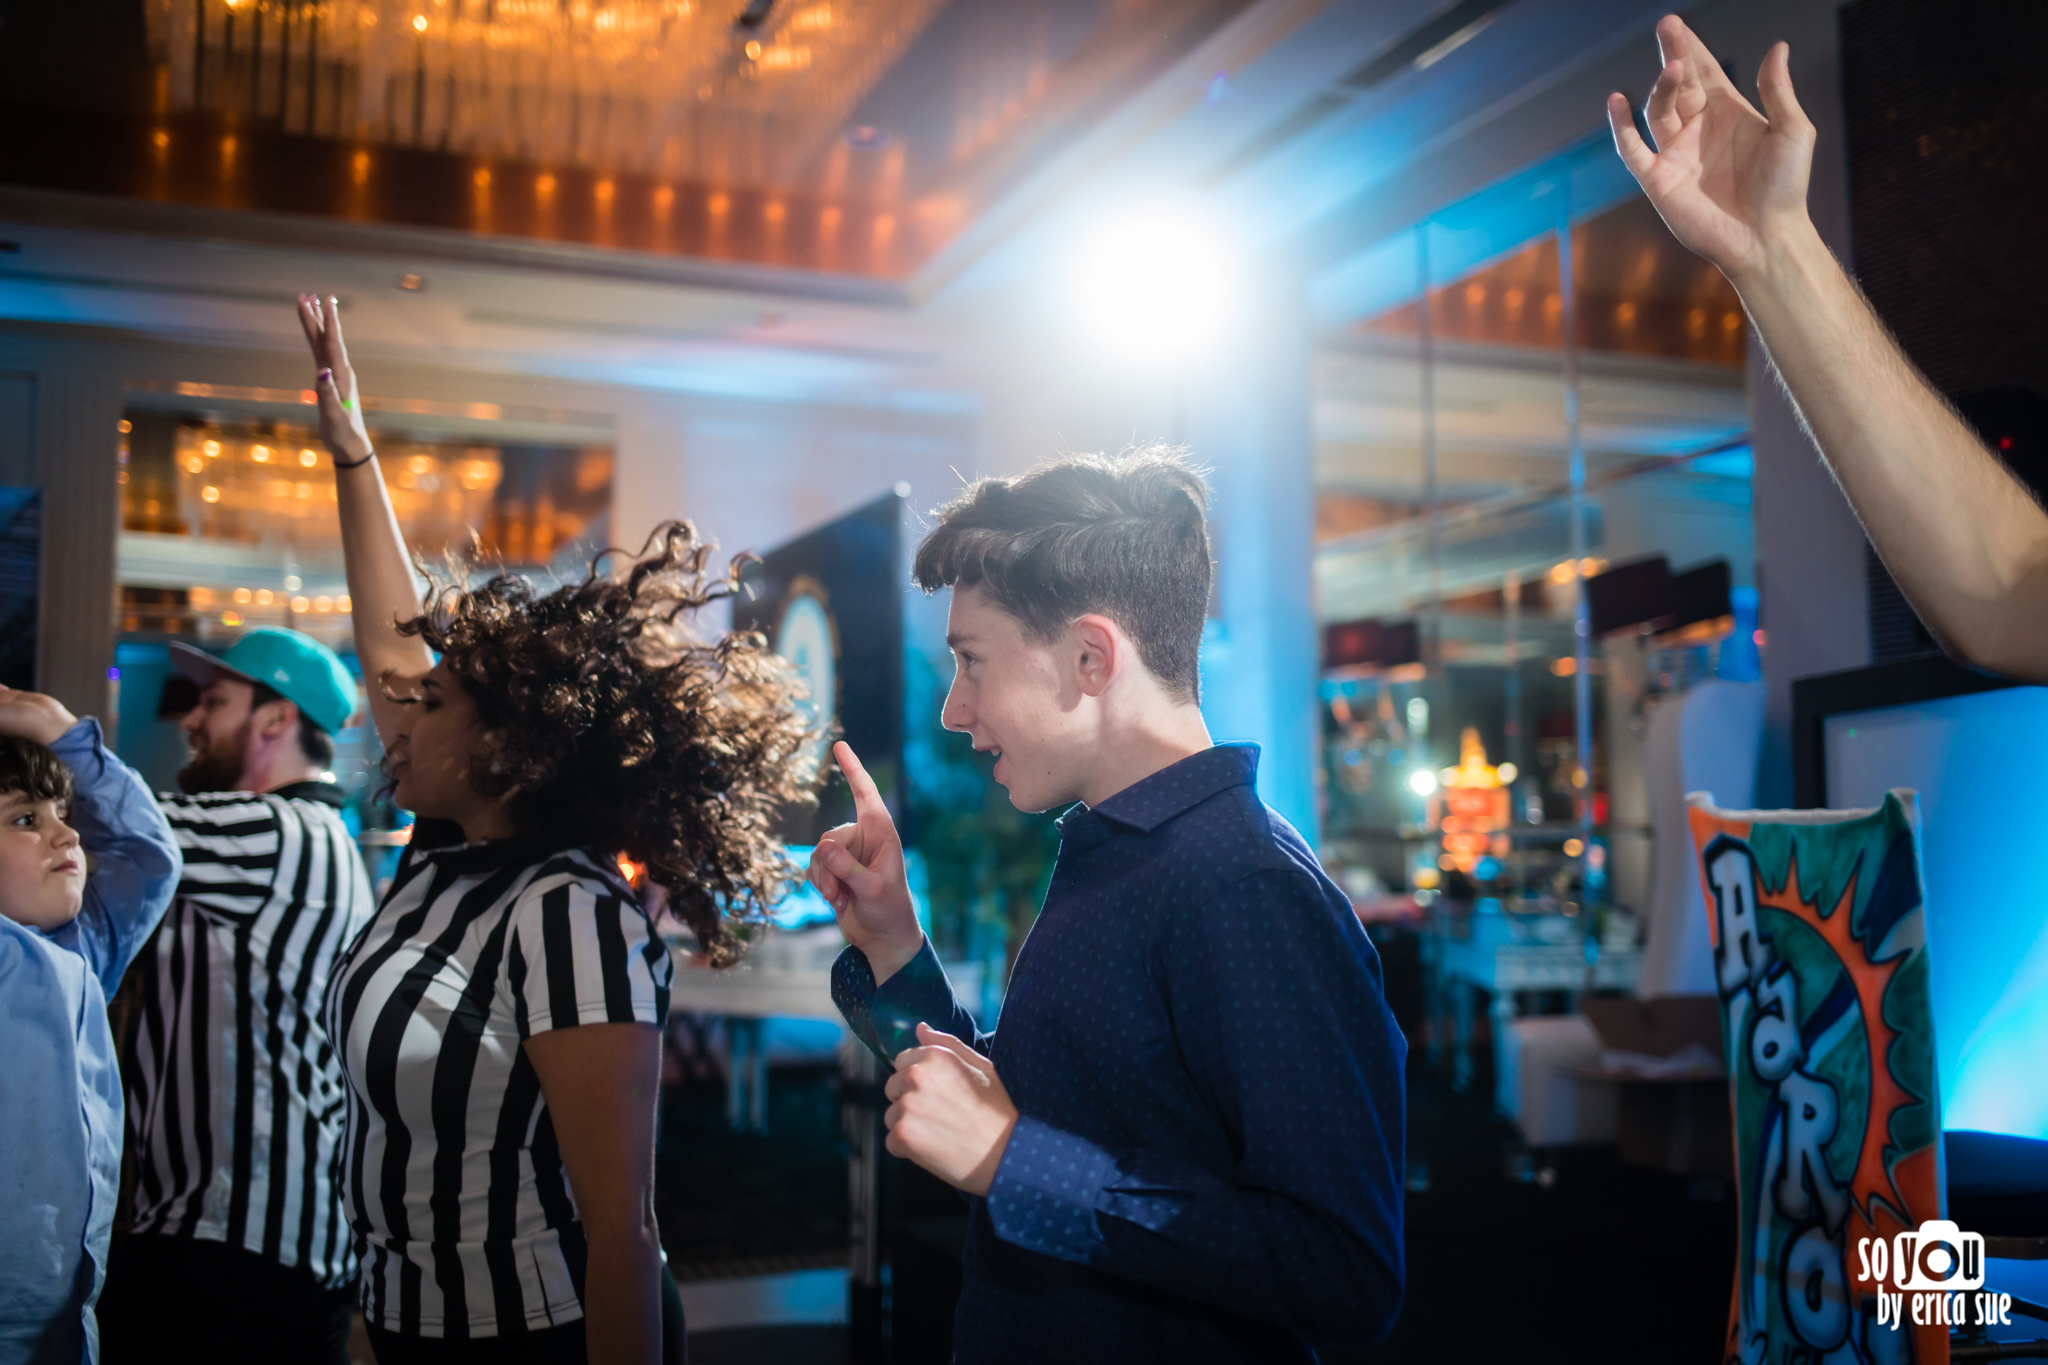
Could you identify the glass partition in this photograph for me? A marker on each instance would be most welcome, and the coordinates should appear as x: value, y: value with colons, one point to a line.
x: 1449, y: 582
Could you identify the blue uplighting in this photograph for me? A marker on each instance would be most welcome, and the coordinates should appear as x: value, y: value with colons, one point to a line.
x: 1976, y: 762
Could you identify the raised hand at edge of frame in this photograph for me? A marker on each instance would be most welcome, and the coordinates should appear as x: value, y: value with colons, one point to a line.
x: 34, y: 715
x: 1728, y: 181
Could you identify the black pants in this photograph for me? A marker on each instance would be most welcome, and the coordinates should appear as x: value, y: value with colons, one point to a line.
x: 181, y: 1298
x: 550, y: 1346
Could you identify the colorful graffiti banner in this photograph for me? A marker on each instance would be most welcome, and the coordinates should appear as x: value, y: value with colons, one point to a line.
x: 1820, y: 948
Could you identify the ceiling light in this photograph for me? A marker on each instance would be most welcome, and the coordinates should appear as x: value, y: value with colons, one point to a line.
x: 1154, y: 284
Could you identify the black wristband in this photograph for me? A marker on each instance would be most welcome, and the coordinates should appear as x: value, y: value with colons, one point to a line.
x: 356, y: 464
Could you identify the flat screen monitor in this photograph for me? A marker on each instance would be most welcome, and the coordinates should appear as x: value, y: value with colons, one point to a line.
x: 1979, y: 761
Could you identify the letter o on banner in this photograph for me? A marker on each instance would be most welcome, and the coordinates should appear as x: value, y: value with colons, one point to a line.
x: 1816, y: 1297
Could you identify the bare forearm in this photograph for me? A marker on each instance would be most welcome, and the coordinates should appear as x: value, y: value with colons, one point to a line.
x: 1966, y: 542
x: 622, y: 1297
x: 381, y: 586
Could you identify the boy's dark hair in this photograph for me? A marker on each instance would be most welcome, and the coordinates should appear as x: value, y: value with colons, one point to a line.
x: 1123, y: 535
x: 34, y: 771
x: 315, y: 743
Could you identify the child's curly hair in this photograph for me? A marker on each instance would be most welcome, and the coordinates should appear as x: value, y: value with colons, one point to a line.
x: 623, y: 732
x: 35, y: 771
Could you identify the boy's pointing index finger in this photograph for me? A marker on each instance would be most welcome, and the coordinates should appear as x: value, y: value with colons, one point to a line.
x: 857, y: 779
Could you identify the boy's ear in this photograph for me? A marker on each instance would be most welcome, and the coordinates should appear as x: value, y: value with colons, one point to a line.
x: 1099, y: 653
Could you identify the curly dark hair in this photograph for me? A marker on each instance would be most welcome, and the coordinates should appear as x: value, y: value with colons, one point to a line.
x: 35, y: 771
x: 621, y: 730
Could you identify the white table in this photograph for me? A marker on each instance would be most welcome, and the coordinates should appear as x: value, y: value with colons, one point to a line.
x: 789, y: 976
x: 1485, y: 962
x: 748, y: 992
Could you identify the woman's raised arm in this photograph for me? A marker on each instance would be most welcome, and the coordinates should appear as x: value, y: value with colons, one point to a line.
x: 381, y: 585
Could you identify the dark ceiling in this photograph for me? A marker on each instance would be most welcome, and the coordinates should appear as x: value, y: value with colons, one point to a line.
x: 865, y: 161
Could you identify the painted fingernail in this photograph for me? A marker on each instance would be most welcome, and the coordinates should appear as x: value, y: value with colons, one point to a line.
x: 323, y: 375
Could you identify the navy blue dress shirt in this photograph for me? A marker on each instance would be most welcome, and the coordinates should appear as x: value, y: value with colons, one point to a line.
x: 1207, y: 1162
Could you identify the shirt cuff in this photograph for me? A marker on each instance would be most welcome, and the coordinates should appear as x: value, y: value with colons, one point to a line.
x: 917, y: 992
x: 885, y: 1017
x: 853, y: 991
x: 82, y: 739
x: 1047, y: 1190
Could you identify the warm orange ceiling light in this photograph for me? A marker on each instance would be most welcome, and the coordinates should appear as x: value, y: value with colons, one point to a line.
x: 529, y: 66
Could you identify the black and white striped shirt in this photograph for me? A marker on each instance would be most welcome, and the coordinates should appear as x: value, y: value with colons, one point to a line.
x: 453, y: 1176
x: 234, y: 1088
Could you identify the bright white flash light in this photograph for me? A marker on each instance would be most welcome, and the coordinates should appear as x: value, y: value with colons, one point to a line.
x: 1154, y: 283
x: 1423, y: 781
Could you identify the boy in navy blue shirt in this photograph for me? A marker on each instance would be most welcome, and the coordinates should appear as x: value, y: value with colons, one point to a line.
x: 66, y: 935
x: 1184, y: 1144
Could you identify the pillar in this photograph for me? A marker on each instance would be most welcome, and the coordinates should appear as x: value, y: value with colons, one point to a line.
x: 1246, y: 417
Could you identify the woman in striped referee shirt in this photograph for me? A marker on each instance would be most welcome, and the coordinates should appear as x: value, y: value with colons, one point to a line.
x: 500, y: 1019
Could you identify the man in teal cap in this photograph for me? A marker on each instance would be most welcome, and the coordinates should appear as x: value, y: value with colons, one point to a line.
x: 301, y: 689
x: 238, y: 1248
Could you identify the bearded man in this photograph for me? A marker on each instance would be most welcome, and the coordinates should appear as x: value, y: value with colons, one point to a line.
x: 238, y: 1249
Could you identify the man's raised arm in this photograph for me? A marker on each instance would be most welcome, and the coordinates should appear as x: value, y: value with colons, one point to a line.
x: 1964, y: 538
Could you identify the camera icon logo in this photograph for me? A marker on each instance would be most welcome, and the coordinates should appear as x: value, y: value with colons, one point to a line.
x: 1938, y: 1255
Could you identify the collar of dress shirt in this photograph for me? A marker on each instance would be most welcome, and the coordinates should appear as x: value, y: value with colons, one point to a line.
x: 1147, y: 804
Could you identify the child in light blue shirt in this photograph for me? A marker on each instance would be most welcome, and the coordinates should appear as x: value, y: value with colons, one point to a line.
x: 87, y: 868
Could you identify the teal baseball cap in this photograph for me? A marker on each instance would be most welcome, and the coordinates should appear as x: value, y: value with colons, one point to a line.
x: 295, y: 666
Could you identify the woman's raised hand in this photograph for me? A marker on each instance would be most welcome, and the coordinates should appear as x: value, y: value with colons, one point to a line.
x: 341, y: 413
x: 380, y: 571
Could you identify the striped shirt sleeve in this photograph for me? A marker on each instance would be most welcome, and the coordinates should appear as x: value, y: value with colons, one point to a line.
x: 583, y: 954
x: 233, y: 843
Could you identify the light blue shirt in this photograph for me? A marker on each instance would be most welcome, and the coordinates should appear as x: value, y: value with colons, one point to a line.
x: 60, y: 1081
